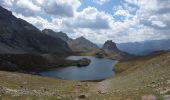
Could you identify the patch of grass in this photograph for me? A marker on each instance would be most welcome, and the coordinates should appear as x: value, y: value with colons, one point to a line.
x: 159, y: 96
x: 168, y: 93
x: 84, y: 88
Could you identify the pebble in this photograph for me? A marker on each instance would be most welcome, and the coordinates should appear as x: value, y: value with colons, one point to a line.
x: 148, y: 97
x: 82, y: 96
x: 168, y: 81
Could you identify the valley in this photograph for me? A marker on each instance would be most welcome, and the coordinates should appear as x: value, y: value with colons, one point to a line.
x: 49, y: 65
x: 143, y: 79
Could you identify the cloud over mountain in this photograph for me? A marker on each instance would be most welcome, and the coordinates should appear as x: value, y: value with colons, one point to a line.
x: 98, y: 20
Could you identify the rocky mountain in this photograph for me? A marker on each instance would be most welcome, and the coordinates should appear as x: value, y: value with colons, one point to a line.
x: 18, y: 36
x: 110, y: 46
x: 111, y: 50
x: 82, y: 44
x: 60, y: 35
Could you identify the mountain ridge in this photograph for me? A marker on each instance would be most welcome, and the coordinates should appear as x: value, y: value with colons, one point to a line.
x: 19, y: 36
x: 80, y: 44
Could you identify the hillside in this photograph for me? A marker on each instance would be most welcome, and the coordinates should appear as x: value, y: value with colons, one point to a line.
x: 57, y: 35
x: 142, y: 78
x: 18, y: 36
x: 80, y: 44
x: 110, y: 51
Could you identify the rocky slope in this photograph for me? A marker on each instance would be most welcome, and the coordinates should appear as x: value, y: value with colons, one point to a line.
x: 57, y: 35
x: 112, y: 51
x: 109, y: 50
x: 18, y: 36
x: 80, y: 44
x: 110, y: 46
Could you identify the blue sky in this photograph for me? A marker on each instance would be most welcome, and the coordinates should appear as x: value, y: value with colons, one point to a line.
x: 98, y: 20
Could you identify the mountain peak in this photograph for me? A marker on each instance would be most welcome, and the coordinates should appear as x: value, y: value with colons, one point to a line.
x: 82, y: 44
x: 59, y: 34
x: 110, y: 46
x: 23, y: 37
x: 82, y: 37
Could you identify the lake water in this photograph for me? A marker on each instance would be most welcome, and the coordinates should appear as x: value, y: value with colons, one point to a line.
x: 97, y: 69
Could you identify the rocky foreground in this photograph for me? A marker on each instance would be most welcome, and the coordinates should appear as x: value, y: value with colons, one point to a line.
x: 146, y: 78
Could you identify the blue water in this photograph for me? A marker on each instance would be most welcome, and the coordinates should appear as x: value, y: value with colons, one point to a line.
x: 97, y: 69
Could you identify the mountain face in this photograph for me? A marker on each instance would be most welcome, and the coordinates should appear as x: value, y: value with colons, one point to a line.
x: 111, y: 50
x: 82, y: 44
x: 18, y: 36
x: 110, y: 46
x: 60, y: 35
x: 146, y: 47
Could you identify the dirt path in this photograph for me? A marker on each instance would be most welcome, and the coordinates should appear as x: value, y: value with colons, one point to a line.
x: 102, y: 87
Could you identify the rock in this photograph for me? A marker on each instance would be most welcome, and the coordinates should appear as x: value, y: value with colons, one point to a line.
x: 21, y: 86
x: 168, y: 81
x: 59, y: 98
x: 46, y: 89
x: 110, y: 46
x: 83, y: 62
x: 112, y: 51
x: 82, y: 96
x: 99, y: 55
x: 149, y: 97
x: 101, y: 92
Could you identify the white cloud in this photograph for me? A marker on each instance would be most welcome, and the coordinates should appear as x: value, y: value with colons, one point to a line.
x: 142, y: 19
x: 89, y: 18
x: 25, y: 7
x: 159, y: 24
x: 60, y: 8
x: 122, y: 13
x: 101, y: 2
x: 39, y: 22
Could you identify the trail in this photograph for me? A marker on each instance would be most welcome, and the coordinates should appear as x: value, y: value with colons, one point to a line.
x: 102, y: 87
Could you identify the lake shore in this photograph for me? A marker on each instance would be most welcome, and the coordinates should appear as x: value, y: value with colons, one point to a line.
x: 145, y: 79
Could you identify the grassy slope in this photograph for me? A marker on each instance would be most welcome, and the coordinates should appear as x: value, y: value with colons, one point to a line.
x: 16, y: 86
x: 147, y: 76
x: 94, y: 52
x: 35, y: 62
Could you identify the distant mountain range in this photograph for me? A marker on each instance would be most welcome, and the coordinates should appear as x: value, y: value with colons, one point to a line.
x: 18, y: 37
x: 145, y: 47
x: 80, y: 44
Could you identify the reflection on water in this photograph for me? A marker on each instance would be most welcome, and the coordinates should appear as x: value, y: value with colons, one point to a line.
x: 98, y: 69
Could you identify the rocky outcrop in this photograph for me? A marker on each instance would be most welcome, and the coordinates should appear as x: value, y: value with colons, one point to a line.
x: 110, y: 50
x: 18, y: 36
x: 110, y: 46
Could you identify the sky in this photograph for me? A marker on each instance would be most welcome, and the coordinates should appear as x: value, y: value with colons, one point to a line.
x: 98, y: 20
